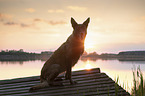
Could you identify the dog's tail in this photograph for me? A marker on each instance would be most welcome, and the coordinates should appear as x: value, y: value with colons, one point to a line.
x: 39, y: 86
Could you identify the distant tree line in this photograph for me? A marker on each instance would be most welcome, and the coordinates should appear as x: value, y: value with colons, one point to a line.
x: 121, y: 56
x: 20, y: 55
x: 14, y: 52
x: 131, y: 56
x: 136, y: 53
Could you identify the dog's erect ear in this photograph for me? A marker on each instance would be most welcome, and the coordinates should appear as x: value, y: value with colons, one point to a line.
x: 73, y: 22
x: 86, y: 22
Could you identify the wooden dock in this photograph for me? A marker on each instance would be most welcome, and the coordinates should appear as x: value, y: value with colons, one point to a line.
x: 89, y: 83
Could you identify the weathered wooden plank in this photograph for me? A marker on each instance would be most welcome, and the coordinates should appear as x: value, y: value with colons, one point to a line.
x: 90, y: 89
x: 46, y: 92
x: 95, y: 93
x: 85, y: 77
x: 78, y: 83
x: 54, y: 91
x: 81, y: 77
x: 74, y: 73
x: 90, y: 82
x: 67, y: 85
x: 27, y: 79
x: 18, y: 90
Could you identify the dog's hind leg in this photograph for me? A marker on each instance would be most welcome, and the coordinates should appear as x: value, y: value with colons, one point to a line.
x: 55, y: 71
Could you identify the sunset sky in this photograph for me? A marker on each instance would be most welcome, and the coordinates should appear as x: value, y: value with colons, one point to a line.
x: 43, y: 25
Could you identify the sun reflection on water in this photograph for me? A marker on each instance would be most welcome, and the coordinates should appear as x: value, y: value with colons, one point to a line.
x: 88, y: 66
x: 84, y: 65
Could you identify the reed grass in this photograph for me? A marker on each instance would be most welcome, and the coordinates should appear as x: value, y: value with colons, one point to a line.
x: 138, y: 82
x: 116, y: 86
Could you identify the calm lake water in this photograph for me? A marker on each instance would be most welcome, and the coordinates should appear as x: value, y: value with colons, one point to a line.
x: 113, y: 68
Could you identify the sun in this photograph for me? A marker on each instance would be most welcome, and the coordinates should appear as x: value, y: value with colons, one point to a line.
x: 89, y: 45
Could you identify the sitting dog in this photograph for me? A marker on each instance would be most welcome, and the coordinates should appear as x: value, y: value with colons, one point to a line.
x: 64, y: 57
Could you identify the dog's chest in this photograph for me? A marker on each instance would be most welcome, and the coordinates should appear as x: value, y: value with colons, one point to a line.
x: 76, y: 50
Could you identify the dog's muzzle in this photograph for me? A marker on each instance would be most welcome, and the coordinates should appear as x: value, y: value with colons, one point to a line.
x: 81, y: 36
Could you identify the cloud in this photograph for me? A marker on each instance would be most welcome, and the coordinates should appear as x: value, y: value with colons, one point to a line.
x: 30, y: 10
x: 56, y: 22
x: 11, y: 23
x: 55, y: 11
x: 33, y: 23
x: 77, y: 8
x: 49, y: 22
x: 25, y: 25
x: 142, y: 18
x: 37, y: 19
x: 4, y: 17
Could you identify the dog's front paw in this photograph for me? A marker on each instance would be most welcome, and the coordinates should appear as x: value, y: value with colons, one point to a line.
x: 73, y: 82
x: 31, y: 89
x: 66, y: 78
x: 58, y: 79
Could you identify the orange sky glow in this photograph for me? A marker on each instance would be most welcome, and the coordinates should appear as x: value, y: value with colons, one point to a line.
x: 35, y: 25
